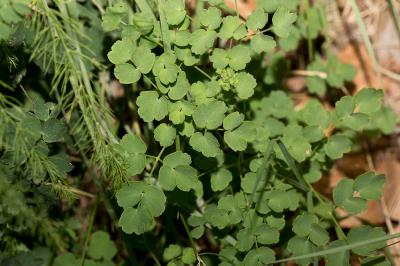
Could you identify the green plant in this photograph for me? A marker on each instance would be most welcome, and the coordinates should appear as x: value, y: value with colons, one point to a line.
x: 214, y: 114
x: 216, y: 162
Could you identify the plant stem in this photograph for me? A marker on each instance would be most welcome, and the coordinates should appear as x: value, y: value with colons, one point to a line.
x: 202, y: 72
x: 157, y: 160
x: 89, y: 231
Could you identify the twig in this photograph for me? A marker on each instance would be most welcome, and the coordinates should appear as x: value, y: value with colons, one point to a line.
x: 310, y: 73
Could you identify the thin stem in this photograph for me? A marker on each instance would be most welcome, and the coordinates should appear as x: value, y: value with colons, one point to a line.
x: 237, y: 9
x: 202, y: 72
x: 309, y: 40
x: 192, y: 243
x: 156, y: 162
x: 89, y: 231
x: 154, y: 257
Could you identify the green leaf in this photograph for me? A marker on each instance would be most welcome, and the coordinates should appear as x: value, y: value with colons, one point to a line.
x: 266, y: 235
x: 292, y: 41
x: 61, y: 164
x: 186, y: 129
x: 356, y: 121
x: 129, y: 196
x: 204, y: 92
x: 207, y: 144
x: 296, y: 144
x: 174, y: 11
x: 343, y: 197
x: 151, y: 107
x: 181, y: 87
x: 216, y: 217
x: 221, y: 179
x: 337, y: 145
x: 245, y: 240
x: 345, y: 106
x: 276, y: 221
x: 210, y: 18
x: 144, y: 59
x: 101, y: 247
x: 136, y: 221
x: 313, y: 133
x: 165, y: 68
x: 8, y: 15
x: 364, y: 233
x: 338, y: 73
x: 177, y: 172
x: 172, y: 252
x: 146, y: 202
x: 111, y: 20
x: 210, y: 115
x: 310, y: 22
x: 121, y: 51
x: 262, y: 43
x: 239, y: 57
x: 245, y: 86
x: 249, y: 181
x: 127, y: 73
x: 259, y: 257
x: 229, y: 25
x: 302, y: 223
x: 314, y: 114
x: 130, y: 32
x: 181, y: 38
x: 300, y: 246
x: 370, y: 185
x: 202, y: 40
x: 385, y: 120
x: 282, y: 20
x: 188, y: 256
x: 53, y: 130
x: 66, y: 259
x: 41, y: 109
x: 233, y: 120
x: 133, y: 153
x: 375, y: 261
x: 318, y: 235
x: 277, y: 104
x: 119, y: 7
x: 306, y: 226
x: 5, y: 31
x: 21, y: 8
x: 165, y: 134
x: 237, y: 139
x: 368, y: 100
x: 179, y: 110
x: 183, y: 176
x: 185, y: 55
x: 279, y: 200
x: 220, y: 58
x: 234, y: 205
x: 338, y: 259
x: 257, y: 20
x: 143, y: 22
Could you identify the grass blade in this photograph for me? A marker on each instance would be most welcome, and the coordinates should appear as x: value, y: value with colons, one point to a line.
x: 392, y: 7
x: 339, y: 249
x: 366, y: 40
x: 290, y: 162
